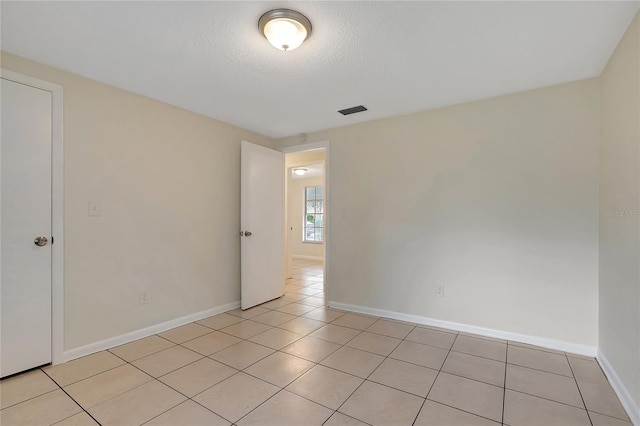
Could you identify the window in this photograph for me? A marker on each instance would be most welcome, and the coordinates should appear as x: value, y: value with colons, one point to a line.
x: 313, y: 215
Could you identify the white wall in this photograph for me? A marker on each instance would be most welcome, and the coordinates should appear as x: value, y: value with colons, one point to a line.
x: 495, y: 199
x: 619, y: 205
x: 295, y: 196
x: 168, y: 182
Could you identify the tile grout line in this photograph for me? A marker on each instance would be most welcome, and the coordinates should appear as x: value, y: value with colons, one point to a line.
x: 434, y: 380
x: 579, y: 391
x: 504, y: 383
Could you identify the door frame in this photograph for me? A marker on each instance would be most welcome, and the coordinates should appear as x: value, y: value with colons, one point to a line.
x: 327, y: 206
x: 57, y: 207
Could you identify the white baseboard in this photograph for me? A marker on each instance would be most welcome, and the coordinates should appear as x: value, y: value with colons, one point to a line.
x: 631, y: 407
x: 302, y: 256
x: 145, y: 332
x: 522, y: 338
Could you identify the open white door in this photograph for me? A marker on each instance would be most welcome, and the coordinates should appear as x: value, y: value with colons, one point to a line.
x: 25, y: 205
x: 261, y: 221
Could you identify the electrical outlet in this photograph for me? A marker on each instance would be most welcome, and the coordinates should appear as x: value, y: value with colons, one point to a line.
x: 143, y: 298
x: 440, y: 290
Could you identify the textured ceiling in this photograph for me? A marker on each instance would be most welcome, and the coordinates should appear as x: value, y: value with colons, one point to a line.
x: 393, y: 57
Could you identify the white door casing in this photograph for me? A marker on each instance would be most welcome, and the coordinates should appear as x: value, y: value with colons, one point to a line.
x: 262, y: 215
x: 31, y: 277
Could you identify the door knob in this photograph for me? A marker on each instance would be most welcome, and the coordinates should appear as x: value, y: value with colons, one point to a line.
x: 247, y: 233
x: 41, y: 241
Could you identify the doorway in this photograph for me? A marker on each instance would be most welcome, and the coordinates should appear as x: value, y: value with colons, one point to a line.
x: 306, y: 215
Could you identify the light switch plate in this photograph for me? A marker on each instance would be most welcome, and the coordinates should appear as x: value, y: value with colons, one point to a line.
x: 94, y: 208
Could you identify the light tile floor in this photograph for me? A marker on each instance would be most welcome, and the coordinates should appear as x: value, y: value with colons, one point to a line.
x: 292, y: 361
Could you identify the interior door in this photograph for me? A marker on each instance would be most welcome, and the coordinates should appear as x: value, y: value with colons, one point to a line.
x: 261, y: 219
x: 25, y: 216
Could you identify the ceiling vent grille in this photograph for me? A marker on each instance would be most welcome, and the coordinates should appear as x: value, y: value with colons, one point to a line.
x: 352, y: 110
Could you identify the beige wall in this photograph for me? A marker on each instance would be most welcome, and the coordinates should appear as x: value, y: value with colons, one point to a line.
x: 496, y: 199
x: 168, y: 182
x: 619, y: 325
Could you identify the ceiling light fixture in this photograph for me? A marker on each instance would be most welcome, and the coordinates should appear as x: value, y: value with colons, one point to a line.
x: 284, y: 28
x: 300, y: 171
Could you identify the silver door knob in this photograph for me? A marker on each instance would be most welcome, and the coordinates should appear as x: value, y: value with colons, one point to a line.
x: 41, y: 241
x: 247, y: 233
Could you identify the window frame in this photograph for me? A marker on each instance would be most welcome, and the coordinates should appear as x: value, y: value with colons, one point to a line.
x: 306, y: 213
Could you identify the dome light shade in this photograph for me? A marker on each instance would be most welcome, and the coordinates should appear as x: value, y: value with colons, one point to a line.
x: 300, y: 171
x: 285, y: 29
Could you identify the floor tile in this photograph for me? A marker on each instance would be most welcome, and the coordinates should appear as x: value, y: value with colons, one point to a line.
x: 602, y: 420
x: 24, y: 386
x: 80, y: 419
x: 139, y: 348
x: 212, y: 342
x: 185, y: 332
x: 376, y: 343
x: 339, y: 419
x: 324, y: 314
x: 404, y: 376
x: 103, y: 386
x: 137, y: 405
x: 236, y: 396
x: 544, y: 385
x: 353, y: 361
x: 381, y: 405
x: 359, y: 322
x: 42, y: 410
x: 538, y: 348
x: 475, y: 367
x: 431, y: 337
x: 306, y: 291
x: 312, y: 349
x: 241, y: 355
x: 165, y: 361
x: 276, y: 338
x: 197, y: 377
x: 390, y: 328
x: 275, y: 304
x: 539, y: 360
x: 81, y: 368
x: 600, y: 398
x: 587, y: 370
x: 245, y: 329
x: 435, y: 414
x: 188, y: 413
x: 279, y: 368
x: 313, y: 301
x: 335, y: 333
x: 526, y: 410
x: 220, y: 321
x: 443, y: 330
x: 293, y: 297
x: 478, y: 336
x: 325, y: 386
x: 273, y: 318
x: 302, y: 325
x: 578, y: 356
x: 468, y: 395
x: 286, y: 408
x: 295, y: 309
x: 480, y: 347
x: 417, y: 353
x: 249, y: 313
